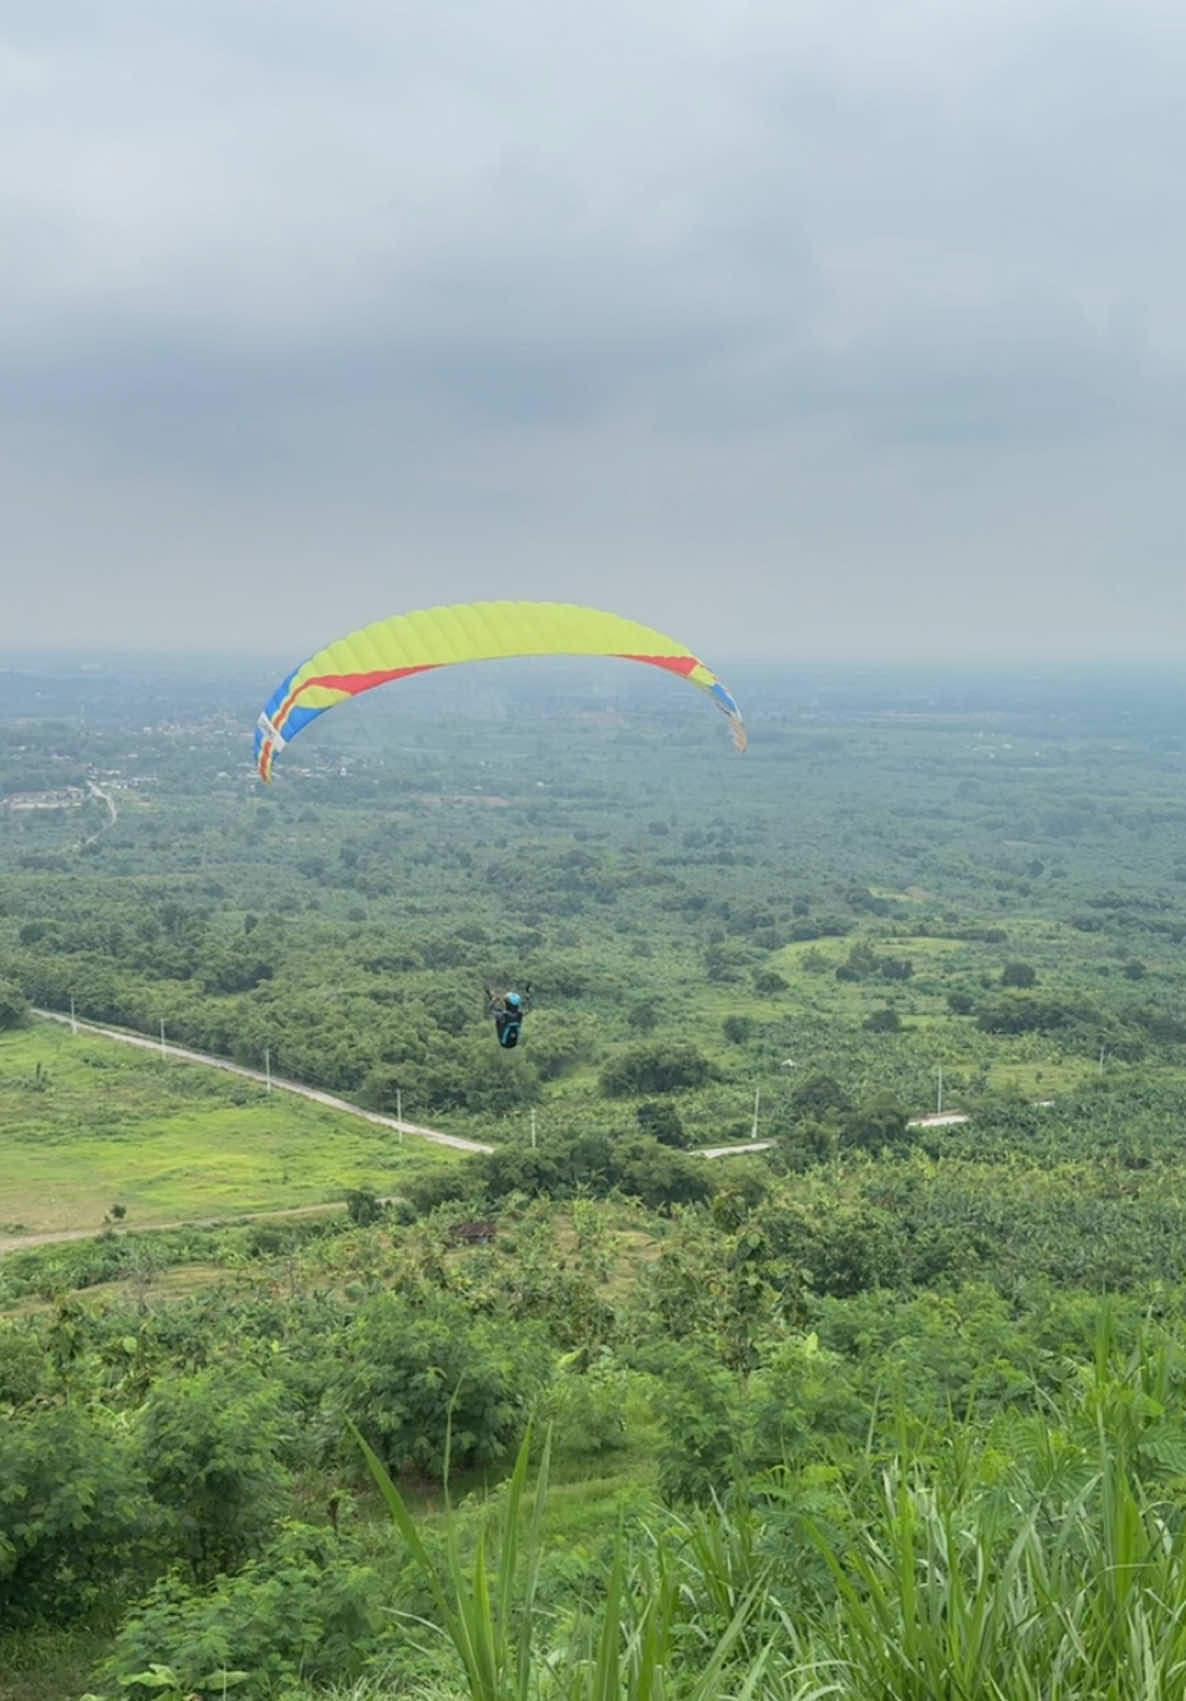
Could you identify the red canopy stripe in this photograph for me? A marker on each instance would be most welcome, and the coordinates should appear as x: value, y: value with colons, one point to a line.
x: 683, y: 665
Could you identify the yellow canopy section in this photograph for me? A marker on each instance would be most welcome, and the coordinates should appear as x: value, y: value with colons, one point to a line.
x: 412, y: 643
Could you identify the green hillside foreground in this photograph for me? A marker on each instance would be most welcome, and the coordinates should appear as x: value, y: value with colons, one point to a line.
x: 87, y: 1123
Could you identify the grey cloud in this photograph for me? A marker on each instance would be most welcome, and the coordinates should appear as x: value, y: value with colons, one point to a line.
x: 594, y: 300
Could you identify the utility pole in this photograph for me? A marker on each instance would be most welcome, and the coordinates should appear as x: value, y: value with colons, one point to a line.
x: 533, y: 1128
x: 163, y: 1051
x: 268, y: 1069
x: 73, y: 1018
x: 757, y: 1102
x: 939, y: 1101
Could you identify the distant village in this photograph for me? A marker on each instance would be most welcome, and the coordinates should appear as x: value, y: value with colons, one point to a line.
x: 64, y: 797
x: 73, y: 797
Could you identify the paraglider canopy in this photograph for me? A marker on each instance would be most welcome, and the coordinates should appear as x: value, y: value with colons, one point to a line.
x: 413, y: 643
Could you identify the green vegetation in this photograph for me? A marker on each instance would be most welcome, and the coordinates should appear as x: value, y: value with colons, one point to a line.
x: 87, y: 1124
x: 890, y: 1408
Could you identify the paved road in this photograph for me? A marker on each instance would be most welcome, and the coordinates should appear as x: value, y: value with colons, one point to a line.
x: 145, y: 1043
x: 943, y: 1120
x: 13, y: 1243
x: 278, y: 1082
x: 735, y: 1151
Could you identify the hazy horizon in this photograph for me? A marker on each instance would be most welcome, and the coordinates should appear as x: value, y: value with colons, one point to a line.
x: 107, y: 658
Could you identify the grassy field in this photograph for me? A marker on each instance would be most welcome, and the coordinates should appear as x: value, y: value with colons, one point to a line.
x: 86, y: 1123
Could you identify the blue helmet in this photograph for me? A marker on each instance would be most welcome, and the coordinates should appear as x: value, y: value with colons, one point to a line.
x: 513, y: 1000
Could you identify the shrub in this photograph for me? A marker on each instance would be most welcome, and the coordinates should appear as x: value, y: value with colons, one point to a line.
x: 76, y: 1524
x: 24, y: 1365
x: 306, y: 1610
x: 701, y: 1424
x: 643, y: 1017
x: 363, y: 1207
x: 587, y: 1409
x: 212, y: 1448
x: 408, y: 1377
x: 884, y: 1020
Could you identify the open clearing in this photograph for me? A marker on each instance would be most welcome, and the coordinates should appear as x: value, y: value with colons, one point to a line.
x: 86, y: 1123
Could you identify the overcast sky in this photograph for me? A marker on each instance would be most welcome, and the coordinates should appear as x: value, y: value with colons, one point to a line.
x: 793, y: 326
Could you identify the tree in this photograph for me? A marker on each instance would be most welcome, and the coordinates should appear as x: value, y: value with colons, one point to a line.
x: 860, y: 964
x: 880, y: 1123
x: 840, y: 1247
x: 817, y: 1094
x: 14, y: 1006
x: 643, y: 1016
x: 1019, y: 974
x: 727, y: 960
x: 1010, y: 1015
x: 748, y: 1296
x: 804, y: 1401
x: 738, y: 1029
x: 661, y: 1120
x: 895, y: 968
x: 521, y: 1169
x: 428, y: 1189
x: 813, y: 1141
x: 660, y: 1177
x: 654, y: 1069
x: 884, y: 1020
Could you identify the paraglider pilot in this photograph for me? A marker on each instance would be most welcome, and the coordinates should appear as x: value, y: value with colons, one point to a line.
x: 508, y: 1012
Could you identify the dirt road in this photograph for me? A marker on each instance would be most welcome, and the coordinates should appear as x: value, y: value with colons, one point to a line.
x: 18, y: 1242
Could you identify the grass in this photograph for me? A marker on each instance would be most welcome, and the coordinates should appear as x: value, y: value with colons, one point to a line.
x: 972, y: 1572
x: 45, y: 1665
x: 626, y: 1648
x: 1042, y: 1078
x: 86, y: 1123
x: 175, y: 1282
